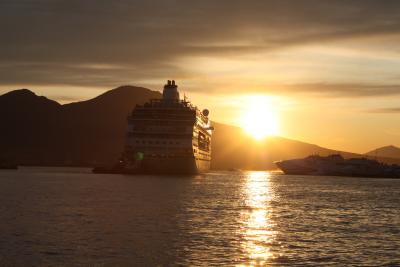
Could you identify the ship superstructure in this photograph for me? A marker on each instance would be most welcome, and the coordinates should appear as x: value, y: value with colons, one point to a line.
x: 168, y: 135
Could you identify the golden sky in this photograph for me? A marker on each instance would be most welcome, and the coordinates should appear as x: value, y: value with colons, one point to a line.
x: 329, y: 70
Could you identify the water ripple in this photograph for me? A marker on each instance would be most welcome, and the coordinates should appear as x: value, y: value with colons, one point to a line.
x: 74, y: 218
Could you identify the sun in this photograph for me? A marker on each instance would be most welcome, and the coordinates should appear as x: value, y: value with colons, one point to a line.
x: 259, y: 117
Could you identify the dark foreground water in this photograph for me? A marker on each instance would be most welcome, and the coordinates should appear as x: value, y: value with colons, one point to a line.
x: 66, y: 217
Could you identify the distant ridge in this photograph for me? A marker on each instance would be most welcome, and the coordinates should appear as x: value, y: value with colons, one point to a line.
x: 386, y: 151
x: 26, y: 97
x: 40, y: 131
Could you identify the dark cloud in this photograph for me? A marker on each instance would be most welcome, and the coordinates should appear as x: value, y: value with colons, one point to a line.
x: 332, y: 90
x: 81, y: 74
x: 59, y: 42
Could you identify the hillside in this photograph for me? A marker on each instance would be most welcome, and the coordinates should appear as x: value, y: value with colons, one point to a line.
x: 386, y: 151
x: 39, y: 131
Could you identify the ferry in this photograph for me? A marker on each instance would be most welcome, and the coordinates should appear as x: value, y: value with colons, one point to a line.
x: 336, y: 165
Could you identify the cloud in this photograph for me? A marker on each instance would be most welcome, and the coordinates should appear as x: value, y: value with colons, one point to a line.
x: 394, y: 110
x: 344, y: 90
x: 331, y: 90
x: 59, y: 41
x: 66, y: 99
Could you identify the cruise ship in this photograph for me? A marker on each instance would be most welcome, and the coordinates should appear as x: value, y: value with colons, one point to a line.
x: 167, y: 136
x: 336, y: 165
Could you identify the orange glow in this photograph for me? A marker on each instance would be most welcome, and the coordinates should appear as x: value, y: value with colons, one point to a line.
x: 259, y: 119
x: 259, y: 227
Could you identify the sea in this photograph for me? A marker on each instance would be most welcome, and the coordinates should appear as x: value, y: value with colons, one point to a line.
x: 71, y: 217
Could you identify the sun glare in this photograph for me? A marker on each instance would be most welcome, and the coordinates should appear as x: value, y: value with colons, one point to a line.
x: 259, y: 118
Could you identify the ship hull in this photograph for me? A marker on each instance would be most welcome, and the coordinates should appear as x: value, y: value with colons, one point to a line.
x: 288, y: 167
x: 173, y: 166
x: 161, y: 166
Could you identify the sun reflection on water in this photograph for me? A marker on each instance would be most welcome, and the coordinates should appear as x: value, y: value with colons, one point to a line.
x: 258, y: 232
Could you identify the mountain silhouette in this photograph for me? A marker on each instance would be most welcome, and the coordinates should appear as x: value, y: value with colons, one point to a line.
x: 386, y: 151
x: 40, y: 131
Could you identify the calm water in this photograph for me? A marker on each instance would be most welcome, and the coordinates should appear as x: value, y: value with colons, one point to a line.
x: 70, y: 217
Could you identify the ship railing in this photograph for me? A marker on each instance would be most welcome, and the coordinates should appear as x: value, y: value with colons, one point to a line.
x: 155, y: 121
x: 161, y: 115
x: 160, y: 134
x: 161, y: 102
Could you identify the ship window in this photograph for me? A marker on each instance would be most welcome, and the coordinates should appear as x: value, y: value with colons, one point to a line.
x: 203, y: 143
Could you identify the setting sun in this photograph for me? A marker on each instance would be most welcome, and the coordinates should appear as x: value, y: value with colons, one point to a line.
x: 259, y: 119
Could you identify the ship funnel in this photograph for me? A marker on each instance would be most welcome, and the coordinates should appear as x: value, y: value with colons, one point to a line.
x: 170, y: 93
